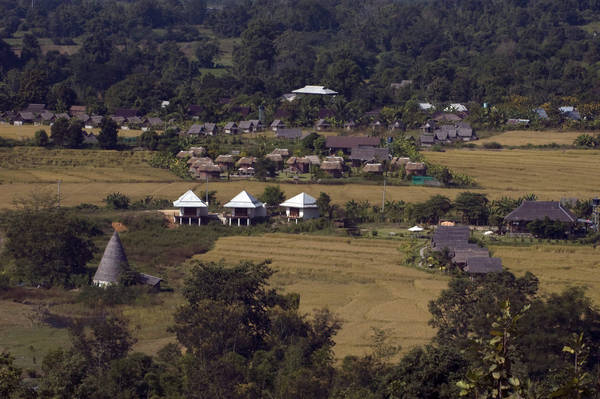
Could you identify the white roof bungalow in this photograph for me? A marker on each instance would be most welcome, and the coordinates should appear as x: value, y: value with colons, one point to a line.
x: 318, y: 90
x: 245, y: 206
x: 191, y: 209
x: 302, y: 206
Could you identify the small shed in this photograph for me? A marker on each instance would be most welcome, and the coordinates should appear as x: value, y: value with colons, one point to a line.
x: 373, y: 169
x: 298, y: 164
x: 225, y: 162
x: 415, y: 169
x: 332, y: 168
x: 277, y: 159
x: 302, y: 206
x: 245, y: 162
x: 245, y: 207
x: 191, y: 209
x: 207, y: 171
x: 195, y: 130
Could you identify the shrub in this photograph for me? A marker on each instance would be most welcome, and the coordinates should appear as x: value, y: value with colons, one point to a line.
x: 117, y: 201
x: 493, y: 145
x: 41, y: 138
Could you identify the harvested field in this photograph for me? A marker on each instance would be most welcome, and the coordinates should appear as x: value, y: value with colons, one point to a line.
x: 363, y: 281
x: 550, y: 174
x: 28, y: 131
x: 533, y: 137
x: 557, y: 266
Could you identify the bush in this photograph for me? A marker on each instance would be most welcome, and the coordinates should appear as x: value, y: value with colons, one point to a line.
x: 113, y: 295
x: 41, y: 138
x: 117, y: 201
x: 492, y: 145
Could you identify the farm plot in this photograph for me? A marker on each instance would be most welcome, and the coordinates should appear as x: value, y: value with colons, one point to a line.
x: 533, y: 137
x: 28, y: 131
x: 363, y: 281
x: 550, y: 174
x: 557, y: 266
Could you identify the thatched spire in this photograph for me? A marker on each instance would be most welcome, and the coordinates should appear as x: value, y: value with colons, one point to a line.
x: 113, y: 262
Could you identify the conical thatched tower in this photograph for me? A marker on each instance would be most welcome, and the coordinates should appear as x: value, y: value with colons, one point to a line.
x: 114, y: 261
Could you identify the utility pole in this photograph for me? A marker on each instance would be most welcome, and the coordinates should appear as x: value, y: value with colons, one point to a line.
x: 383, y: 197
x: 596, y: 212
x: 206, y: 190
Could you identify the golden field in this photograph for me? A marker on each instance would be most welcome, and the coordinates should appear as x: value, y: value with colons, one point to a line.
x: 550, y: 174
x: 534, y: 137
x: 363, y: 281
x: 28, y: 131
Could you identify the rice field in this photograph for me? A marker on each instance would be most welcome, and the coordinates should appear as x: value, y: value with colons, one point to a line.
x: 531, y: 137
x: 363, y: 281
x: 557, y: 266
x: 550, y: 174
x: 28, y: 131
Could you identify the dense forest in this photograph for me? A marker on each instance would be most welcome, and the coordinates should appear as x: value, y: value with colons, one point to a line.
x: 109, y: 54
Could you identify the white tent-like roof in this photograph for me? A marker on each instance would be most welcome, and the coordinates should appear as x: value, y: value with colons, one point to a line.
x: 189, y: 200
x: 315, y: 90
x: 301, y: 200
x: 415, y: 229
x: 244, y: 200
x: 456, y: 107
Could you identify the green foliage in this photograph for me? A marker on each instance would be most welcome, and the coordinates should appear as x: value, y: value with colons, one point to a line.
x: 49, y: 247
x: 264, y: 168
x: 11, y: 382
x: 108, y: 133
x: 492, y: 145
x: 41, y: 138
x: 430, y: 211
x: 473, y: 207
x: 324, y: 205
x: 587, y: 141
x: 165, y: 160
x: 547, y: 228
x: 272, y: 196
x: 117, y: 200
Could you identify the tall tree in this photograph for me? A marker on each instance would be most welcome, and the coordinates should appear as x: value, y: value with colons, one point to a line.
x: 108, y: 133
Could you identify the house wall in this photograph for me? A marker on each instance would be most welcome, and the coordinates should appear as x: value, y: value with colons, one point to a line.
x: 309, y: 213
x: 199, y: 211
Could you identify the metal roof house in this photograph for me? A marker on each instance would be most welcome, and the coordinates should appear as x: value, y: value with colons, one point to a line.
x: 245, y: 206
x: 191, y: 209
x: 483, y: 265
x: 315, y: 90
x: 302, y: 206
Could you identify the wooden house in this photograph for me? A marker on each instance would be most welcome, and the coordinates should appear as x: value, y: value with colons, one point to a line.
x: 76, y: 110
x: 244, y: 207
x: 206, y: 171
x: 347, y: 143
x: 246, y: 126
x: 298, y: 165
x: 277, y: 125
x: 258, y: 126
x: 530, y: 211
x: 277, y: 159
x: 225, y: 162
x: 332, y: 168
x: 210, y: 129
x: 231, y: 128
x: 46, y: 118
x: 302, y: 206
x: 191, y: 209
x: 195, y: 130
x: 284, y: 152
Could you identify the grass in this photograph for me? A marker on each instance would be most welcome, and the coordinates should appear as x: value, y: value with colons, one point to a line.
x: 28, y: 131
x: 363, y: 281
x: 525, y: 137
x: 550, y: 174
x: 557, y: 266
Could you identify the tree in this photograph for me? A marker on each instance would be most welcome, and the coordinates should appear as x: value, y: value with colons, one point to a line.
x: 41, y: 138
x: 10, y: 376
x: 473, y: 207
x: 59, y: 131
x: 108, y: 133
x: 74, y: 134
x: 206, y: 52
x: 117, y: 200
x: 49, y: 247
x: 149, y: 139
x: 547, y: 228
x: 272, y: 197
x: 324, y: 205
x: 264, y: 168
